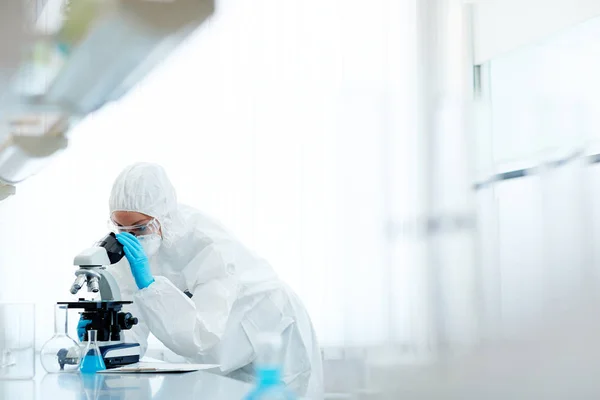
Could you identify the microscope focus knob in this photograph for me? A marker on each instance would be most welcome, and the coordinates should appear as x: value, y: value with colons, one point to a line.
x: 127, y: 321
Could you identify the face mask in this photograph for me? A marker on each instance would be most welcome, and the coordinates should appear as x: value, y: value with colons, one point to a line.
x: 150, y: 243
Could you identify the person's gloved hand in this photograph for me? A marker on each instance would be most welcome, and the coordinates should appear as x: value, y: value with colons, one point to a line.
x: 138, y: 261
x: 81, y: 325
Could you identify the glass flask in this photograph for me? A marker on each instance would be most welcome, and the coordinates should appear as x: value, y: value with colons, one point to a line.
x: 17, y: 337
x: 269, y: 385
x: 92, y: 358
x: 61, y: 353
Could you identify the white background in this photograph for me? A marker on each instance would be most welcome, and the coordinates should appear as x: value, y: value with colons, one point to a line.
x: 273, y: 118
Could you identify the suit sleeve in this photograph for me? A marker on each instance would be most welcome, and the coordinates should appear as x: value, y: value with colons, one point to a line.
x: 191, y: 326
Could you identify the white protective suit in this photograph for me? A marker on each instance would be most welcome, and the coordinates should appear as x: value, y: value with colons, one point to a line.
x: 235, y: 294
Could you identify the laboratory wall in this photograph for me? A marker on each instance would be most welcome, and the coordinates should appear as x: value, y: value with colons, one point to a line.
x: 299, y: 129
x: 537, y: 177
x: 274, y: 118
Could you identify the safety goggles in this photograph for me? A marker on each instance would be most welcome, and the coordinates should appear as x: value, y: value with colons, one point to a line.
x: 147, y: 228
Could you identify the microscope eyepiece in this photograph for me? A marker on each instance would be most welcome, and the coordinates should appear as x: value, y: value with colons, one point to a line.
x: 114, y: 249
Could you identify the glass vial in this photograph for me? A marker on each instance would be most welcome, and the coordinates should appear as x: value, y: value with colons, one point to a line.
x: 61, y: 353
x: 92, y: 358
x: 17, y: 341
x: 268, y: 366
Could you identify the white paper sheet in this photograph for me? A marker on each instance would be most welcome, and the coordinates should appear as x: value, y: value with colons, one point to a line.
x: 157, y: 368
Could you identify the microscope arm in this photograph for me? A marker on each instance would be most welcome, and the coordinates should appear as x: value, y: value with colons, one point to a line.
x: 109, y: 289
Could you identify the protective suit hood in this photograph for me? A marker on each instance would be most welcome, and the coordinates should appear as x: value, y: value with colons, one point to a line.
x: 145, y: 188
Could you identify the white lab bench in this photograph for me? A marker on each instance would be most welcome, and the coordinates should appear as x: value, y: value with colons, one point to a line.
x: 170, y: 386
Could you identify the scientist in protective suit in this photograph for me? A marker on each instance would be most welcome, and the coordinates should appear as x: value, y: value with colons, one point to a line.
x: 203, y: 294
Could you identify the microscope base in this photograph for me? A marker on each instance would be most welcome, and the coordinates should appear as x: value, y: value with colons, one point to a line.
x: 118, y: 355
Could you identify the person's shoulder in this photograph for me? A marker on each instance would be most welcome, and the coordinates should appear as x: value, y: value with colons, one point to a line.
x: 205, y: 225
x: 192, y: 212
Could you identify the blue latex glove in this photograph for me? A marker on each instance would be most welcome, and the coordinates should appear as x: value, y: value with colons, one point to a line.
x: 81, y: 325
x: 138, y: 261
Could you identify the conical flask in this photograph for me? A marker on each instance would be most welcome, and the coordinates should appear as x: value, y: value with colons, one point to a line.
x: 61, y: 353
x: 92, y: 360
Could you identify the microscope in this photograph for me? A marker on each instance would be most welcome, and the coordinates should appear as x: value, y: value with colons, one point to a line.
x: 92, y: 270
x: 105, y: 316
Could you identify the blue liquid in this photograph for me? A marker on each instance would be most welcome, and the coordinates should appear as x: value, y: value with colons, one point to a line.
x: 92, y: 363
x: 277, y: 392
x: 270, y: 387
